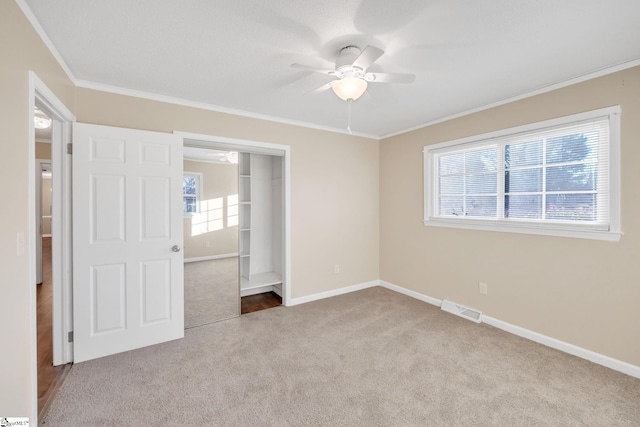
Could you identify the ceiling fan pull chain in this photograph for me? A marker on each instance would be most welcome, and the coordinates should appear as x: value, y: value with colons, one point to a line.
x: 349, y: 102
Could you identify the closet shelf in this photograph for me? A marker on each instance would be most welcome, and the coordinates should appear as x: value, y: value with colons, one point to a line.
x: 261, y: 279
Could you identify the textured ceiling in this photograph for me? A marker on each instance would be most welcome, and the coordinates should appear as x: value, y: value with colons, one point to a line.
x: 236, y: 55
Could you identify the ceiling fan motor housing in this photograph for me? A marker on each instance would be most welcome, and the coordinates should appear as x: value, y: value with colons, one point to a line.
x: 344, y: 63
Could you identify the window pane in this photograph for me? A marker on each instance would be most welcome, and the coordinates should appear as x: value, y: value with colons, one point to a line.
x: 189, y: 204
x: 580, y: 177
x: 482, y: 183
x: 523, y: 154
x: 526, y: 180
x: 189, y: 190
x: 521, y: 206
x: 451, y: 206
x: 452, y: 184
x: 570, y: 148
x: 556, y: 172
x: 450, y: 164
x: 481, y: 160
x: 188, y: 182
x: 574, y: 207
x: 481, y: 206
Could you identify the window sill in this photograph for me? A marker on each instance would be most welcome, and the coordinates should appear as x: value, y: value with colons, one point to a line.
x: 557, y: 230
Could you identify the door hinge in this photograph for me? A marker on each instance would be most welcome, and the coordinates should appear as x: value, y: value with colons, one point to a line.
x: 69, y: 148
x: 70, y: 337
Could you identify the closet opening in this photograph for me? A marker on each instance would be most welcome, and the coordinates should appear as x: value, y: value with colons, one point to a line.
x: 261, y: 225
x: 251, y: 207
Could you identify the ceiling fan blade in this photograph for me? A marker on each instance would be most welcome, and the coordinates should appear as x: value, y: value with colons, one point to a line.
x: 389, y: 78
x: 368, y: 56
x: 320, y: 89
x: 313, y: 69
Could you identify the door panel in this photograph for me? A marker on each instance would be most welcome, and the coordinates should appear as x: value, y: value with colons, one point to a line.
x: 107, y: 305
x: 107, y: 203
x: 127, y: 216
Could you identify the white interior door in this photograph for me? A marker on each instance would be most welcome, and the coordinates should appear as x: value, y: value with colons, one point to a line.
x: 127, y: 235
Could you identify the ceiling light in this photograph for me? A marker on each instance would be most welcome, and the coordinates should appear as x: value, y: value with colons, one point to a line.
x: 41, y: 120
x: 349, y: 88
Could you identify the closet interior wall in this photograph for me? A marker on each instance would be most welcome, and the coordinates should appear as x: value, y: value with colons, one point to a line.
x: 261, y: 223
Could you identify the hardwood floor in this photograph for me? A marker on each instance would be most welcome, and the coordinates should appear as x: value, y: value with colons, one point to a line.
x: 258, y: 302
x: 49, y: 376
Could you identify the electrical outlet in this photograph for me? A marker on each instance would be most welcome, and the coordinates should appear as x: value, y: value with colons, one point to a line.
x: 336, y: 268
x: 483, y: 288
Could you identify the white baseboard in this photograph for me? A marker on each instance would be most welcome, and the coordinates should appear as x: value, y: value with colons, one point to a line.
x: 208, y: 258
x: 332, y: 293
x: 412, y: 294
x: 600, y: 359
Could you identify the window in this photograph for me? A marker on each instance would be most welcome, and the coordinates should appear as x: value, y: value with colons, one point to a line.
x: 559, y: 177
x: 191, y: 193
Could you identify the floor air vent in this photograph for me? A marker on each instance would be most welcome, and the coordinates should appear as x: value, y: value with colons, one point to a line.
x: 462, y: 311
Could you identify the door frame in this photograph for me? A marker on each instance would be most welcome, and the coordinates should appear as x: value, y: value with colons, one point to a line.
x: 62, y: 119
x: 257, y: 147
x: 38, y: 203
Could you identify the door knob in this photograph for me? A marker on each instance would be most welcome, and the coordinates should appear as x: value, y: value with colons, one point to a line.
x: 175, y: 248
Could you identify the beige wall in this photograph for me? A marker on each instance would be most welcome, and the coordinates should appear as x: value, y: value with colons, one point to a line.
x: 337, y: 182
x: 334, y: 198
x: 212, y: 225
x: 43, y: 151
x: 46, y: 205
x: 583, y: 292
x: 21, y: 50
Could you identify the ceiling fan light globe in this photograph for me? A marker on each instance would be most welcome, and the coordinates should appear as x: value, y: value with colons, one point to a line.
x: 349, y: 88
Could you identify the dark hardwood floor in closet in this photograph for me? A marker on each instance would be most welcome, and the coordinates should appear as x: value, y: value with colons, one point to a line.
x: 49, y: 376
x: 258, y: 302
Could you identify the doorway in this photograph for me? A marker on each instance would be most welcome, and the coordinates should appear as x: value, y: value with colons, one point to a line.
x: 49, y: 375
x: 261, y: 230
x: 264, y: 195
x: 51, y: 372
x: 233, y: 233
x: 50, y: 301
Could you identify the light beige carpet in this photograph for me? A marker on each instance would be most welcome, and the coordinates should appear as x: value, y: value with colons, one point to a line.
x: 369, y: 358
x: 211, y: 291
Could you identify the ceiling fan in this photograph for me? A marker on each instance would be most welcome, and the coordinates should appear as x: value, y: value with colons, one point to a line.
x: 351, y: 72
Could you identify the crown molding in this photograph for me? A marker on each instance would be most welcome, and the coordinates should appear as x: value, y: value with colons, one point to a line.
x: 549, y: 88
x: 22, y: 4
x: 163, y: 98
x: 204, y: 106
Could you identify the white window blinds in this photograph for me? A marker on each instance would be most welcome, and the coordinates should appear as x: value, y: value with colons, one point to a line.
x: 554, y: 174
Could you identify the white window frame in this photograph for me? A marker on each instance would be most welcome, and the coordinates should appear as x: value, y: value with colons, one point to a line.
x: 198, y: 177
x: 612, y: 232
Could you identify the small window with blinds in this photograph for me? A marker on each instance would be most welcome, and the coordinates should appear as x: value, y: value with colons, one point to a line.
x: 559, y: 177
x: 191, y: 193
